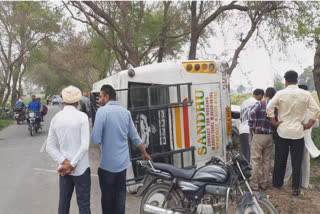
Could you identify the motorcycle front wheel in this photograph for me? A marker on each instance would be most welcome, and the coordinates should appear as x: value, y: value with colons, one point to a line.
x: 31, y: 129
x: 155, y: 198
x: 264, y: 204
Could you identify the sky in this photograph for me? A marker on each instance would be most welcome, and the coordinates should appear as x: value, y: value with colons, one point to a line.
x: 256, y: 69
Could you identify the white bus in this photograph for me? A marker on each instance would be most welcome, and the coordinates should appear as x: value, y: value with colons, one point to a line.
x: 181, y: 110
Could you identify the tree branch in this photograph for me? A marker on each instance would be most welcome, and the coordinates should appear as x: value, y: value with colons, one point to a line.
x: 254, y: 23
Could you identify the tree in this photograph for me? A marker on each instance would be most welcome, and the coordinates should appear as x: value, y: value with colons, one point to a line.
x: 256, y: 12
x: 278, y: 83
x: 241, y: 89
x: 23, y: 26
x: 306, y: 78
x: 138, y: 33
x: 302, y: 24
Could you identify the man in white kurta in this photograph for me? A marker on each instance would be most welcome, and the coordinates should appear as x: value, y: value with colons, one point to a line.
x: 69, y: 129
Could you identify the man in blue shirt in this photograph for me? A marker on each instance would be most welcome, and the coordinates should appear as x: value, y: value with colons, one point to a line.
x: 34, y: 106
x: 113, y: 125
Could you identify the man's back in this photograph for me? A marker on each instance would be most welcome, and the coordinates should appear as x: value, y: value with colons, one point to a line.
x: 113, y: 126
x: 70, y: 128
x: 20, y: 103
x: 292, y: 104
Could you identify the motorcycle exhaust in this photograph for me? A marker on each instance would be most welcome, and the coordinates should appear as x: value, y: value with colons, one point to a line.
x: 150, y: 209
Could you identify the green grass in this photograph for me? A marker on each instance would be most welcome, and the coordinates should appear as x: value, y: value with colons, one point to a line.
x: 5, y: 122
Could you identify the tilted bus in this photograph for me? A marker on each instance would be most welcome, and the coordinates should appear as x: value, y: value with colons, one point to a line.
x: 181, y: 111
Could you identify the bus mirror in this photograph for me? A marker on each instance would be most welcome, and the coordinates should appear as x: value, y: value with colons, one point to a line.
x: 131, y: 72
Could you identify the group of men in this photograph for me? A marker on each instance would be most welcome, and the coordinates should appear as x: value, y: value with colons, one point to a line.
x: 284, y: 118
x: 70, y: 129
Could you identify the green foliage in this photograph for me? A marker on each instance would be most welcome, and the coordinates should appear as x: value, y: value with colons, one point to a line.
x: 241, y: 89
x: 238, y: 99
x: 306, y: 78
x: 101, y: 56
x: 278, y: 85
x: 316, y: 136
x: 5, y: 122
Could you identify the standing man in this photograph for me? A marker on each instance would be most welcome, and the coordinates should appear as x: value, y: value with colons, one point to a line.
x: 309, y: 150
x: 70, y: 128
x: 292, y: 104
x: 113, y: 125
x: 262, y: 141
x: 244, y: 130
x: 86, y: 103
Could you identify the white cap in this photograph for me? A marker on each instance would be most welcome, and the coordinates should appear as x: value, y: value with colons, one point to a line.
x: 71, y: 94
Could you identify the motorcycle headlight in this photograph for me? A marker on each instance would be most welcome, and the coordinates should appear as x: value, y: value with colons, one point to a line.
x: 31, y: 114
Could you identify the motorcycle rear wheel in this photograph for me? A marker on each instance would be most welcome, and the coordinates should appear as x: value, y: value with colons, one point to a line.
x: 156, y: 195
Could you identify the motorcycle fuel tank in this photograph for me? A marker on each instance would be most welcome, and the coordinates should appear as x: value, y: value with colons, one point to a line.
x: 211, y: 174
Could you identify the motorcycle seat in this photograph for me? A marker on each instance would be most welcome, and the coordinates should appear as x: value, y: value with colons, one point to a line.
x: 176, y: 172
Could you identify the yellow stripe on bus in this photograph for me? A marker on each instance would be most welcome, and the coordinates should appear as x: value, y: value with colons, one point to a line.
x: 178, y: 126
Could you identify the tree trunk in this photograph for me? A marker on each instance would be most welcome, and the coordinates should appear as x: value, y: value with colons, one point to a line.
x: 193, y: 45
x: 316, y: 68
x: 14, y: 94
x: 194, y: 31
x: 164, y: 31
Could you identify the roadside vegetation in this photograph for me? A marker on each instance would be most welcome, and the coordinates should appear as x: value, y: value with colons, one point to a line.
x: 5, y: 122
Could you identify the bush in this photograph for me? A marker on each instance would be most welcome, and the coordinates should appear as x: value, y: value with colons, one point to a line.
x: 238, y: 99
x: 316, y: 136
x: 4, y: 123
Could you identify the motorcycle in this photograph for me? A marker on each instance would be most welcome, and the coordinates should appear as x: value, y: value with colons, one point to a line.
x: 206, y: 190
x: 7, y: 112
x: 34, y: 122
x: 19, y: 115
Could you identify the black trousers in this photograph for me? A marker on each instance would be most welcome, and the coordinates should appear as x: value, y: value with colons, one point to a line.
x: 245, y: 145
x: 113, y: 191
x: 282, y: 147
x: 82, y: 184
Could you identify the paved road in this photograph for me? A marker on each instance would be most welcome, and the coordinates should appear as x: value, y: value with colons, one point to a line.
x: 28, y: 178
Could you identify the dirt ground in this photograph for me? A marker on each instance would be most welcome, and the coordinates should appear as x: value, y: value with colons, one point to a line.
x: 308, y: 202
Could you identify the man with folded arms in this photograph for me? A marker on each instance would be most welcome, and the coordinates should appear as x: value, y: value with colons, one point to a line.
x: 292, y: 104
x: 70, y: 128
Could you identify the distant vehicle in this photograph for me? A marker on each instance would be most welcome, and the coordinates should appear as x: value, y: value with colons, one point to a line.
x: 34, y: 122
x: 19, y: 114
x: 56, y: 100
x: 5, y: 112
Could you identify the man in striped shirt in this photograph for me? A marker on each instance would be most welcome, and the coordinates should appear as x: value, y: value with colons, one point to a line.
x: 262, y: 140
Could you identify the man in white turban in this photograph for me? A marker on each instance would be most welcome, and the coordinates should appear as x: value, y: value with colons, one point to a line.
x: 70, y: 128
